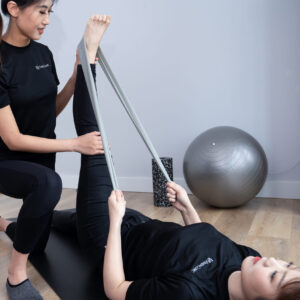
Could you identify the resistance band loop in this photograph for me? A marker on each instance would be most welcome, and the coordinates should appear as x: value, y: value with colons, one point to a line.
x: 130, y: 111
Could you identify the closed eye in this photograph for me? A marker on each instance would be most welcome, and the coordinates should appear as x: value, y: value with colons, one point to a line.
x: 44, y: 12
x: 273, y: 275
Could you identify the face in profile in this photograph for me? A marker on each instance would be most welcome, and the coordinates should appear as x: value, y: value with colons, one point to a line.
x: 263, y: 277
x: 32, y: 20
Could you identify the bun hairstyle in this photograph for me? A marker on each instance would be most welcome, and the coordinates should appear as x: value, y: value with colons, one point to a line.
x: 21, y: 3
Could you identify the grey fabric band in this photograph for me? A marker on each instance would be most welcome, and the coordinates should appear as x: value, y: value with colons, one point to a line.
x: 130, y: 111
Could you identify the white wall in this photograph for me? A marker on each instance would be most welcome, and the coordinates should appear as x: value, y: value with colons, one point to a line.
x: 187, y: 66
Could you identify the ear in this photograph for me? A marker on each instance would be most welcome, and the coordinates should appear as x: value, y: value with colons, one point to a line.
x: 13, y: 9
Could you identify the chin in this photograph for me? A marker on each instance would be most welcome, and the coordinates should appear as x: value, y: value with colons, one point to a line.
x: 36, y: 38
x: 247, y: 263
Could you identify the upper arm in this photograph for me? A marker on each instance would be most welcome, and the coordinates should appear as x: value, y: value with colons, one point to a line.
x: 120, y: 292
x: 8, y: 126
x: 9, y: 130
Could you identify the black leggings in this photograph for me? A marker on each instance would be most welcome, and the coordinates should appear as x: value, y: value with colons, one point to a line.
x: 91, y: 220
x: 40, y: 188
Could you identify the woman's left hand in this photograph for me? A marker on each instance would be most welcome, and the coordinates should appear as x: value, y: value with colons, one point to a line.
x: 117, y: 207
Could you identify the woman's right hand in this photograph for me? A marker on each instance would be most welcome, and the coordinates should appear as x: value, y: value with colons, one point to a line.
x: 89, y: 143
x: 117, y: 207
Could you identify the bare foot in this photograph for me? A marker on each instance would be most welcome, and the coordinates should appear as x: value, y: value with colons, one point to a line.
x: 3, y: 224
x: 93, y: 34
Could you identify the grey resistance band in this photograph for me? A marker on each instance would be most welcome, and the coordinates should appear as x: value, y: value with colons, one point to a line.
x: 130, y: 111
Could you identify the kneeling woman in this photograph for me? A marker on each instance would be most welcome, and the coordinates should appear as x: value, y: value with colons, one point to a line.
x: 150, y: 259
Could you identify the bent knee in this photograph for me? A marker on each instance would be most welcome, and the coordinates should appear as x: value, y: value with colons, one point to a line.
x: 49, y: 185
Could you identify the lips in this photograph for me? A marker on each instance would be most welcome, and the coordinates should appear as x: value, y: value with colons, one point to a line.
x: 40, y: 30
x: 256, y: 259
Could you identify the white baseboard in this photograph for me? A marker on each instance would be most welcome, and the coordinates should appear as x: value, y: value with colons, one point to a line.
x: 281, y: 189
x: 271, y: 189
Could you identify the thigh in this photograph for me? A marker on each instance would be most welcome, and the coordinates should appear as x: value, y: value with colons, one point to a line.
x: 19, y: 178
x: 94, y: 189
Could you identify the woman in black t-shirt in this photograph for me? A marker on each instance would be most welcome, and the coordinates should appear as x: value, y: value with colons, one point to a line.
x: 29, y: 106
x: 147, y: 259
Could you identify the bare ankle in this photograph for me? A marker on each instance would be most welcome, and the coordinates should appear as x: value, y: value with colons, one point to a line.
x: 92, y: 55
x: 16, y: 276
x: 93, y: 34
x: 3, y: 224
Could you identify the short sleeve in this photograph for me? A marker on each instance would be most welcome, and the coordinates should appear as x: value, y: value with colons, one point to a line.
x: 169, y: 287
x: 4, y: 97
x: 53, y: 67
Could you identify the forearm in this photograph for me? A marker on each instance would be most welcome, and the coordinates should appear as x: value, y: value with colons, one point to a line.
x: 190, y: 216
x: 63, y: 98
x: 28, y: 143
x: 113, y: 272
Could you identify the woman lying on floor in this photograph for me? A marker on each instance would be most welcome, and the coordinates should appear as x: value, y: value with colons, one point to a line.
x: 150, y: 259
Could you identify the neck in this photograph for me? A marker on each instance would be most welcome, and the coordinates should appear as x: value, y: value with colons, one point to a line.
x: 14, y: 37
x: 235, y: 286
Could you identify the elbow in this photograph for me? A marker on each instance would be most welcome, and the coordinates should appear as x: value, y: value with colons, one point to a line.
x: 13, y: 143
x: 108, y: 293
x: 12, y: 146
x: 111, y: 294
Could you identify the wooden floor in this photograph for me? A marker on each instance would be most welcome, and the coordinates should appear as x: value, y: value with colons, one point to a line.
x: 272, y: 226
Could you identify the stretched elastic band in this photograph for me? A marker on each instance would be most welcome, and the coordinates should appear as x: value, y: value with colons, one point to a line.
x: 129, y: 109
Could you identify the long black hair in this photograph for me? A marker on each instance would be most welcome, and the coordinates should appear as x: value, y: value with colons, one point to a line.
x: 21, y: 3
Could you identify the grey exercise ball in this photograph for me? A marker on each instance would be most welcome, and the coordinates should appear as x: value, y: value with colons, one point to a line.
x: 225, y: 167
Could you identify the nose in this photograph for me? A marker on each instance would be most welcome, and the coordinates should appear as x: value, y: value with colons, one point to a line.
x: 272, y: 262
x: 46, y: 21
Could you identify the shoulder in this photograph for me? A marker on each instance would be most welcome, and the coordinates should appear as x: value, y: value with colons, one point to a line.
x: 42, y: 47
x: 247, y: 251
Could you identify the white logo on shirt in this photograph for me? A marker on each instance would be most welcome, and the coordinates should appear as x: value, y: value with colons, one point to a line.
x: 204, y: 263
x: 42, y: 67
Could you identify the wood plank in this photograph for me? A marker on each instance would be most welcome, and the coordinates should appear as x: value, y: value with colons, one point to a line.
x: 272, y: 226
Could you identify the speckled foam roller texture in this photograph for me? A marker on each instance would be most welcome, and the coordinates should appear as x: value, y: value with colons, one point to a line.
x: 159, y: 181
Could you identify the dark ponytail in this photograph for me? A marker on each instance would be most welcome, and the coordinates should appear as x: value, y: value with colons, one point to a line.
x: 21, y: 3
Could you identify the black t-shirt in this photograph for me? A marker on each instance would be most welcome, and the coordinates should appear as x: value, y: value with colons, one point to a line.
x: 169, y: 261
x: 28, y: 83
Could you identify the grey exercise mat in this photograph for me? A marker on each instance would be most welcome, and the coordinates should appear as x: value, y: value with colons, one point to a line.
x: 67, y: 269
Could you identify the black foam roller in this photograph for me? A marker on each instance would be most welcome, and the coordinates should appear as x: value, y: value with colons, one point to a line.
x: 159, y: 181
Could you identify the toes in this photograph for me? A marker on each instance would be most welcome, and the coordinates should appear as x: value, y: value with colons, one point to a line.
x: 102, y: 19
x: 108, y: 19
